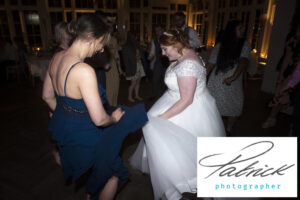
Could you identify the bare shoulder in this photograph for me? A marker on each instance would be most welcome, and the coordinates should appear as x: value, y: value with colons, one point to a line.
x: 84, y: 70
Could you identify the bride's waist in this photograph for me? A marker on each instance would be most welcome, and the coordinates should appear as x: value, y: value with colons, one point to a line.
x: 198, y: 93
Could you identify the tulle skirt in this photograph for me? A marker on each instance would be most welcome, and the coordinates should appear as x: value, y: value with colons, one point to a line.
x: 168, y: 150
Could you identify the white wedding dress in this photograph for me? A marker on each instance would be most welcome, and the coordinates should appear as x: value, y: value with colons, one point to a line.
x: 168, y: 150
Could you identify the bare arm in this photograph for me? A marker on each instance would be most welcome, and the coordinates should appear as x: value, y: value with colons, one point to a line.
x: 209, y: 68
x: 187, y: 87
x: 89, y: 90
x: 243, y: 63
x: 152, y: 51
x: 48, y: 92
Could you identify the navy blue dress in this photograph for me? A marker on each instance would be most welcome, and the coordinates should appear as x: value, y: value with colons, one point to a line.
x: 83, y: 146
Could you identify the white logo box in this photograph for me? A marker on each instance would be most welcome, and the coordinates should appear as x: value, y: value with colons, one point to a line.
x: 274, y: 159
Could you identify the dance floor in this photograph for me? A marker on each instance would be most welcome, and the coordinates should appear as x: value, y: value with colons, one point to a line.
x: 28, y: 170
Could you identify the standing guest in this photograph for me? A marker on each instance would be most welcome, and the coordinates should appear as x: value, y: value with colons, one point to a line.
x: 100, y: 62
x: 159, y: 62
x: 134, y: 70
x: 228, y: 61
x: 285, y: 66
x: 283, y: 97
x: 88, y: 139
x: 112, y: 75
x: 62, y: 37
x: 194, y: 40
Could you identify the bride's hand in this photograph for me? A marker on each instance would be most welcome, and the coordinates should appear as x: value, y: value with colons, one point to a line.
x: 162, y: 116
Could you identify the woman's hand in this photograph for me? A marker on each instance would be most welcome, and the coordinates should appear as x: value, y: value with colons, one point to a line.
x: 117, y: 114
x: 228, y: 80
x: 162, y: 116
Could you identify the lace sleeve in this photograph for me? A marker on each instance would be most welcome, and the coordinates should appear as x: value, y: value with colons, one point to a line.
x: 190, y: 68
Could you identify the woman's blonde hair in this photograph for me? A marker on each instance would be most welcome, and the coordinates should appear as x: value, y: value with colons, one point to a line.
x: 59, y: 30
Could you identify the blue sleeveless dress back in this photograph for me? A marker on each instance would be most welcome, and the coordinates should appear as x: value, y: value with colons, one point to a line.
x: 83, y: 146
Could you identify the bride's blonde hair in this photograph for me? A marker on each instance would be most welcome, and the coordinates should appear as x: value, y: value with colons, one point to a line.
x: 176, y: 38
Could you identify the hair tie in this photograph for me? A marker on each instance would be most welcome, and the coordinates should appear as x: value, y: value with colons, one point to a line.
x: 168, y: 34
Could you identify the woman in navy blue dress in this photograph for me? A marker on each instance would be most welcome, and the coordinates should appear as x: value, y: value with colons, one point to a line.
x: 87, y: 137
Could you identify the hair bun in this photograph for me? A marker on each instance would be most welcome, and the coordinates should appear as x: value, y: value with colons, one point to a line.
x: 73, y: 28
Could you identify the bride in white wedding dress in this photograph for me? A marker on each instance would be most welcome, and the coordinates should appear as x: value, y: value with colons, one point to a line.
x: 168, y: 150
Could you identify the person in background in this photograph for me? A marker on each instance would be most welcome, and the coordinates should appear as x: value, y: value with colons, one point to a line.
x: 194, y: 40
x: 159, y: 62
x: 285, y: 67
x: 134, y: 70
x: 283, y: 96
x: 227, y: 62
x: 114, y: 72
x: 62, y: 37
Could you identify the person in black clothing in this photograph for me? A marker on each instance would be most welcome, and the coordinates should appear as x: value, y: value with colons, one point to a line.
x: 159, y: 62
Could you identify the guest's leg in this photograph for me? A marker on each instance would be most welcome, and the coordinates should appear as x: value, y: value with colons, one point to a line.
x: 130, y: 90
x: 137, y: 88
x: 230, y: 123
x: 110, y: 189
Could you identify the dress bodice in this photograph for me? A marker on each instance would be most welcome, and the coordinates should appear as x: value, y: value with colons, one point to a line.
x: 185, y: 68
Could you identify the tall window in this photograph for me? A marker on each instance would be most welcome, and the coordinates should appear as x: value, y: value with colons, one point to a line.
x: 199, y: 5
x: 54, y: 3
x: 172, y: 25
x: 260, y: 1
x: 79, y: 14
x: 29, y: 2
x: 236, y: 3
x: 159, y: 19
x: 145, y: 27
x: 205, y: 31
x: 68, y: 4
x: 55, y: 18
x: 134, y: 3
x: 13, y: 2
x: 199, y: 22
x: 247, y: 19
x: 84, y: 4
x: 69, y: 16
x: 145, y: 3
x: 172, y: 6
x: 4, y: 29
x: 181, y: 7
x: 111, y: 4
x: 256, y: 29
x: 32, y: 22
x: 135, y: 24
x: 100, y: 4
x: 17, y: 24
